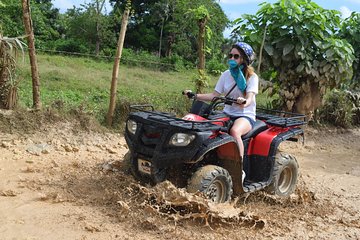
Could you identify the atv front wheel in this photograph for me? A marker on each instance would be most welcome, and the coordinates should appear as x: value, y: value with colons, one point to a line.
x: 128, y: 166
x: 214, y: 181
x: 284, y: 176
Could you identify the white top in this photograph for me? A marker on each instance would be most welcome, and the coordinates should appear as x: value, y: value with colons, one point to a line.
x: 223, y: 86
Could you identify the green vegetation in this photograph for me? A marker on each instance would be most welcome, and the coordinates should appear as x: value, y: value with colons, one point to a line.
x: 302, y: 44
x: 341, y: 108
x: 163, y: 28
x: 305, y: 52
x: 82, y: 83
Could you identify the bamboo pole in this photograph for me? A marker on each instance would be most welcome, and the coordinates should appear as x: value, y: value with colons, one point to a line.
x: 32, y: 54
x: 115, y: 73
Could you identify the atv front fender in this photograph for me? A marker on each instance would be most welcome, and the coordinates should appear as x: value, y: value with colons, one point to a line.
x: 228, y: 151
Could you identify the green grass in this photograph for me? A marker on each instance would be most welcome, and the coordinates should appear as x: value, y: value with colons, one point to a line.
x: 75, y: 82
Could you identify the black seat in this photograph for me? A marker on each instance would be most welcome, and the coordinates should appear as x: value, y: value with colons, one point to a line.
x: 258, y: 128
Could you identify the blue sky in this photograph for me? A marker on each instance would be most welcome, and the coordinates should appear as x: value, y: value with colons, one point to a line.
x: 235, y: 8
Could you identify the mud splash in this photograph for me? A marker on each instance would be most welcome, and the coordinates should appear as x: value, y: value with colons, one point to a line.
x: 178, y: 205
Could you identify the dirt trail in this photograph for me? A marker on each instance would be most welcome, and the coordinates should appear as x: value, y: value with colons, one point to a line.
x: 64, y: 183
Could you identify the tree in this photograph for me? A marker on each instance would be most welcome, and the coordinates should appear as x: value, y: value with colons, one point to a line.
x: 162, y: 9
x: 87, y: 29
x: 99, y: 5
x: 115, y: 73
x: 201, y: 16
x: 46, y: 21
x: 302, y: 45
x: 10, y: 20
x: 32, y: 54
x: 351, y: 32
x: 169, y: 20
x: 9, y: 48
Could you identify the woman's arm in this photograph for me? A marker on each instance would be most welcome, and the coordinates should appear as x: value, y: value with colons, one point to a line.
x: 204, y: 96
x: 207, y: 96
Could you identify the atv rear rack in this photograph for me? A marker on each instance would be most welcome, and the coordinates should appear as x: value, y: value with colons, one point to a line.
x: 280, y: 118
x: 171, y: 119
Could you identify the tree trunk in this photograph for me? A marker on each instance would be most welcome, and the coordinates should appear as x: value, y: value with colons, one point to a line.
x: 308, y: 101
x: 97, y: 47
x: 32, y: 54
x: 201, y: 81
x: 3, y: 73
x: 99, y: 7
x: 115, y: 73
x: 161, y: 36
x: 201, y: 43
x: 170, y: 42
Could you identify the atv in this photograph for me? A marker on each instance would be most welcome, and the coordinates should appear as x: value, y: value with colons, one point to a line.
x: 198, y: 153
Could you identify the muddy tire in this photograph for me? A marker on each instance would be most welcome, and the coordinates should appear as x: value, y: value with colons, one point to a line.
x: 128, y: 166
x: 285, y: 175
x: 130, y: 169
x: 214, y: 181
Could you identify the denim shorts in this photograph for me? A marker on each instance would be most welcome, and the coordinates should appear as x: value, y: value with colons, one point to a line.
x: 251, y: 121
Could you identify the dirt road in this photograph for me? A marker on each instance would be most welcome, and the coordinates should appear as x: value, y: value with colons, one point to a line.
x: 60, y: 182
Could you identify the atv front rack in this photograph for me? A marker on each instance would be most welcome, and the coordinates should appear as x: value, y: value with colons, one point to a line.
x: 280, y: 118
x: 172, y: 120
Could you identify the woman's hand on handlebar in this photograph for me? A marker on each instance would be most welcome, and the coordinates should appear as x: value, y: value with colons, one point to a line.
x: 189, y: 93
x: 241, y: 100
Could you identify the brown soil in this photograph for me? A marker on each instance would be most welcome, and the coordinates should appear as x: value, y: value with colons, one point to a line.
x: 63, y: 180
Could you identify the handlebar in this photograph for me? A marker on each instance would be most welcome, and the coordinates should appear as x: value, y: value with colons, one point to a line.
x: 226, y: 100
x: 189, y: 94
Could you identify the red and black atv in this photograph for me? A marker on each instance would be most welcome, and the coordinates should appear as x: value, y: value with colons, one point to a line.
x: 197, y: 151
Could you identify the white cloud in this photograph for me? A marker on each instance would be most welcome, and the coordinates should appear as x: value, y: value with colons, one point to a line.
x: 234, y: 15
x: 63, y: 4
x: 237, y: 2
x: 354, y: 1
x: 345, y: 11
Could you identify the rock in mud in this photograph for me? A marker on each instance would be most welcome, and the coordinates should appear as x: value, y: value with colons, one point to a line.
x: 38, y: 149
x: 5, y: 145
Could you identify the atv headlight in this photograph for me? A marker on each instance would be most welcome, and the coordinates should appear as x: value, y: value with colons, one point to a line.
x: 181, y: 139
x: 131, y: 126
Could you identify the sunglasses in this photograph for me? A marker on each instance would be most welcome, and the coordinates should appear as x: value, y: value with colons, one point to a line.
x: 235, y: 56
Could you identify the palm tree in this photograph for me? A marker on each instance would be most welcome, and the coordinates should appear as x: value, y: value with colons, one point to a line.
x: 9, y: 51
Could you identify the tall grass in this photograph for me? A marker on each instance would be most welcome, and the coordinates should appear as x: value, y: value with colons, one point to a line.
x: 77, y: 82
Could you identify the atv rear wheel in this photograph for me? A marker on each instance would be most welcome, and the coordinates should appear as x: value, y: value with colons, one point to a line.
x: 284, y: 176
x: 214, y: 181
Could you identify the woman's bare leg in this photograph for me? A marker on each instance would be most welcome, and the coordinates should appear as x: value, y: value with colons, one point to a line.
x: 241, y: 127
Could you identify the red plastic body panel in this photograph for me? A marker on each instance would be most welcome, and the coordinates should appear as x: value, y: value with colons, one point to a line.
x: 228, y: 151
x: 260, y: 145
x: 194, y: 117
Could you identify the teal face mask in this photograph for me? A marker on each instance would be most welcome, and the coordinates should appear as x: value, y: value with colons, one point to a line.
x: 237, y: 74
x: 232, y: 63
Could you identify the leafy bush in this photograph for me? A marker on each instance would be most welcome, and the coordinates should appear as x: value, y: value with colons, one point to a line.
x: 140, y: 59
x: 215, y: 67
x: 70, y: 45
x: 354, y: 98
x: 337, y: 109
x: 174, y: 63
